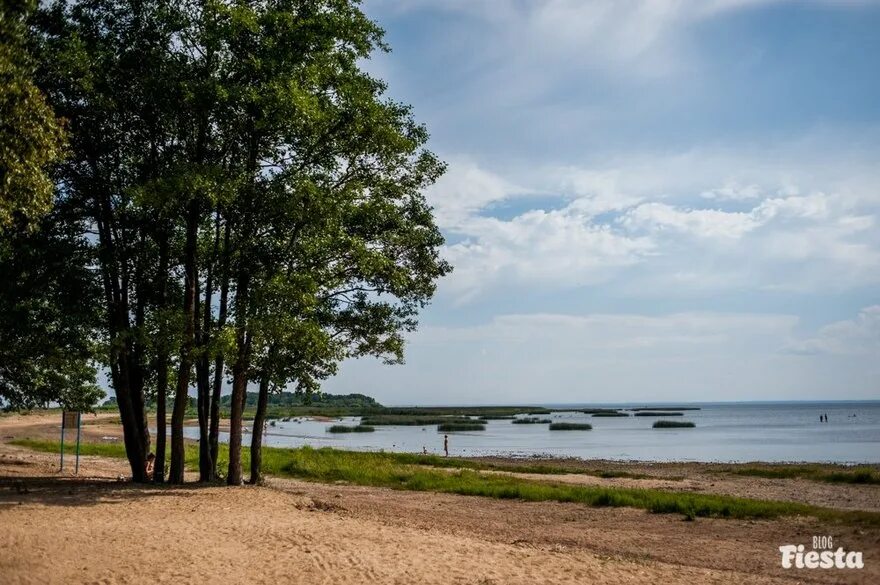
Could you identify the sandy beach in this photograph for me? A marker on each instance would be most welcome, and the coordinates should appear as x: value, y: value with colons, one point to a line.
x: 96, y: 529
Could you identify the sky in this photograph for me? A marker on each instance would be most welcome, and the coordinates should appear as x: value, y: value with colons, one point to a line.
x: 657, y: 200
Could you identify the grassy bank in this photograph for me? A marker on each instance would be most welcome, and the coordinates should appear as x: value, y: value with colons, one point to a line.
x: 854, y: 475
x: 418, y: 473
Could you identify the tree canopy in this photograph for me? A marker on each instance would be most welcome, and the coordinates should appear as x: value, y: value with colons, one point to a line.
x: 248, y: 202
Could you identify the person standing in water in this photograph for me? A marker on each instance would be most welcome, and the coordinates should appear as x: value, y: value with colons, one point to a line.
x: 446, y: 444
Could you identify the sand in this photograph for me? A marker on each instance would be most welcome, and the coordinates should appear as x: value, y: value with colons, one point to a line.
x: 94, y: 529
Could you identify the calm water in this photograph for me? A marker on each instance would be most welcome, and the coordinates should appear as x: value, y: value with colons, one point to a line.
x: 724, y: 432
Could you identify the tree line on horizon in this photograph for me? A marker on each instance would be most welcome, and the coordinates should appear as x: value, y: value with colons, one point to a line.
x: 201, y: 191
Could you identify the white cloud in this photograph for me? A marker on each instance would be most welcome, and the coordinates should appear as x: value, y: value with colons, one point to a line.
x: 549, y: 357
x: 859, y: 336
x: 822, y: 236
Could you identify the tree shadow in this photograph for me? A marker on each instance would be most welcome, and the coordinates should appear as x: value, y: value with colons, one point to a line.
x: 85, y: 491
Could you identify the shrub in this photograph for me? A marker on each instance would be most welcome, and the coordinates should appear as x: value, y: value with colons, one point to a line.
x: 563, y: 426
x: 673, y: 424
x: 654, y: 413
x: 461, y: 426
x: 350, y: 429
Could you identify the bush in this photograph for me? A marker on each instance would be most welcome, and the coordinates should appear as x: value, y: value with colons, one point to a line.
x: 350, y: 429
x: 673, y: 424
x: 654, y: 413
x: 563, y: 426
x: 413, y: 421
x: 461, y: 426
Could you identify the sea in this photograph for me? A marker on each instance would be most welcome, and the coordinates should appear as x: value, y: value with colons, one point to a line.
x: 724, y: 432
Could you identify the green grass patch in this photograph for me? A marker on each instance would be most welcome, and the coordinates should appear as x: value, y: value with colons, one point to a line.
x: 853, y: 475
x: 653, y: 413
x: 664, y: 408
x: 350, y: 429
x: 404, y: 471
x: 531, y: 420
x: 597, y: 410
x: 673, y: 424
x: 610, y: 414
x: 413, y: 421
x: 564, y: 426
x: 461, y: 426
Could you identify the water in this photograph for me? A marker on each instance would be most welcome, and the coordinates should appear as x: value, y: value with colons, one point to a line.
x: 730, y: 432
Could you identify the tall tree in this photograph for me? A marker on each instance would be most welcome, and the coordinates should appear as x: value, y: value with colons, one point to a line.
x: 107, y: 67
x: 31, y: 138
x: 48, y: 320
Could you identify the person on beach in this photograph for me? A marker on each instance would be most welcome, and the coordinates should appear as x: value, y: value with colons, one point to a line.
x: 149, y: 465
x: 446, y: 444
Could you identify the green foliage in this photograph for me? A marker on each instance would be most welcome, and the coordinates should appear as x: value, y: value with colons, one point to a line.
x: 414, y: 421
x: 564, y: 426
x: 853, y: 475
x: 48, y: 318
x: 673, y: 424
x: 658, y: 413
x: 452, y: 427
x: 31, y: 138
x: 317, y: 400
x: 350, y: 429
x: 531, y: 421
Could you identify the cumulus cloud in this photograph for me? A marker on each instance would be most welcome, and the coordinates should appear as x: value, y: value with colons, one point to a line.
x: 859, y: 336
x: 605, y: 220
x: 557, y: 357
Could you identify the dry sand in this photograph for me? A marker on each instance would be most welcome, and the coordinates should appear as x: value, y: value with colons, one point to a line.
x: 94, y: 529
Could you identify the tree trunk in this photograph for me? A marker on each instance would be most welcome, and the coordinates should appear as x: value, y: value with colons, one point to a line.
x: 161, y: 366
x: 181, y: 399
x: 257, y: 436
x: 214, y: 434
x: 206, y: 464
x: 239, y: 380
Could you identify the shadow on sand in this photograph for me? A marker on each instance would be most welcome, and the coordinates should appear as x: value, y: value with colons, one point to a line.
x: 84, y: 491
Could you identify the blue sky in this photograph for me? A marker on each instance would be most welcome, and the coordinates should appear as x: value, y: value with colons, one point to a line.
x: 646, y: 200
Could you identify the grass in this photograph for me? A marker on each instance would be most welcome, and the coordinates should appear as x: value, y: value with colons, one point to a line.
x: 610, y: 414
x: 461, y: 426
x: 350, y: 429
x: 531, y: 420
x: 564, y: 426
x: 404, y: 471
x: 673, y: 424
x: 412, y: 421
x: 854, y: 475
x: 496, y: 416
x: 655, y: 413
x: 647, y: 408
x: 597, y: 410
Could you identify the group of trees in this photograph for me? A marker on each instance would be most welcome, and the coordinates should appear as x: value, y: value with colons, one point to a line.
x: 237, y: 203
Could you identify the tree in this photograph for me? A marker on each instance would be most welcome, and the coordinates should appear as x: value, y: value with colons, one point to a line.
x: 48, y: 320
x: 31, y: 138
x: 106, y: 67
x: 334, y: 242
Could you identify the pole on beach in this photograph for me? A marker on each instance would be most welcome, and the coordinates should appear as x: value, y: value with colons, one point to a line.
x: 78, y: 432
x: 63, y: 420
